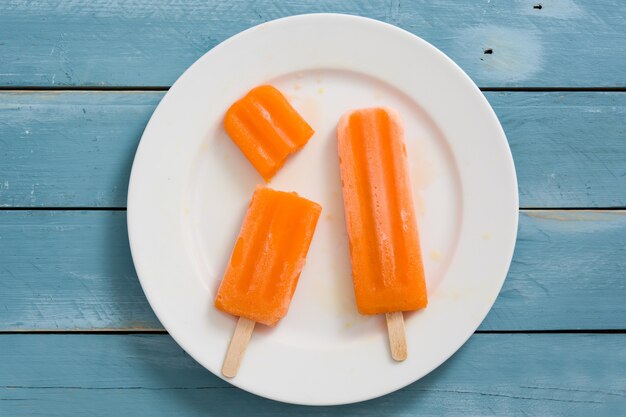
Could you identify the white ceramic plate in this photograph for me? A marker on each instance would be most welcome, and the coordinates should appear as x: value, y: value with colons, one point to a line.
x: 190, y: 186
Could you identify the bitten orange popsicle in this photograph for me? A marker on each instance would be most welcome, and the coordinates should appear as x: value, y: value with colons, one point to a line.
x: 266, y: 128
x: 265, y: 264
x: 384, y: 246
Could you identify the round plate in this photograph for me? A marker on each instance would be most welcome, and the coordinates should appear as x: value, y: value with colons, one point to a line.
x: 190, y: 187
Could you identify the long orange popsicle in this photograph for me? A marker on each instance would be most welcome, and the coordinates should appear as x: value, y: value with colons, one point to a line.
x: 385, y: 252
x: 265, y: 264
x: 266, y: 128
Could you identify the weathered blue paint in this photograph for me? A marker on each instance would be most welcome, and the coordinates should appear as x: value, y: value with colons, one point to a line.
x: 501, y: 375
x: 70, y: 149
x: 68, y: 270
x: 569, y: 148
x: 133, y: 43
x: 72, y: 270
x: 62, y: 270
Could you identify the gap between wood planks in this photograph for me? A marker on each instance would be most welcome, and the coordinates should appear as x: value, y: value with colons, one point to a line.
x: 164, y: 332
x: 62, y: 88
x: 61, y: 208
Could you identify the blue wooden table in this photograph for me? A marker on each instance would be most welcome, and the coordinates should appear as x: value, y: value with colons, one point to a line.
x: 78, y: 83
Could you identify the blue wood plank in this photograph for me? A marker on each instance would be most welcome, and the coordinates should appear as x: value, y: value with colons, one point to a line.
x: 568, y: 148
x: 113, y: 43
x: 72, y: 270
x: 503, y: 375
x: 567, y: 273
x: 69, y: 271
x: 70, y: 149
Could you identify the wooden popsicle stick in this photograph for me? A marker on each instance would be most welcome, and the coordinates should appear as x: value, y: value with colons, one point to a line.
x: 397, y: 335
x: 237, y: 347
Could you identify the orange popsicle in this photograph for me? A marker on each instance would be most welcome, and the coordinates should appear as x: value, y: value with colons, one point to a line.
x: 384, y: 246
x: 265, y: 264
x: 266, y: 128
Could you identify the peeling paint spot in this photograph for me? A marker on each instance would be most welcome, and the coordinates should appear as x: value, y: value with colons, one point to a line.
x: 597, y: 216
x: 557, y: 9
x: 515, y: 54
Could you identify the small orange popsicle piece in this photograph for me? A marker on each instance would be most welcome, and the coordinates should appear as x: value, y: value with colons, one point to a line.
x: 384, y: 245
x: 269, y: 255
x: 266, y: 128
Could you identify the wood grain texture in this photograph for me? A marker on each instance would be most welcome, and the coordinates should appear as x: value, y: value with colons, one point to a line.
x: 569, y: 148
x: 70, y: 149
x: 567, y: 273
x: 75, y: 149
x: 150, y: 43
x: 72, y: 270
x: 503, y: 375
x: 68, y: 271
